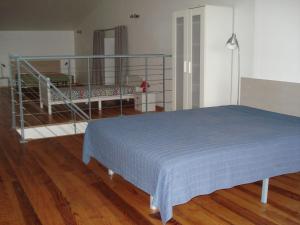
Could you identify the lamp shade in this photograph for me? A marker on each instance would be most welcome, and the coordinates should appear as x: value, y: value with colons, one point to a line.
x: 232, y: 42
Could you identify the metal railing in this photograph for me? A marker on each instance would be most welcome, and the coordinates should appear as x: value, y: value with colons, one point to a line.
x: 71, y: 91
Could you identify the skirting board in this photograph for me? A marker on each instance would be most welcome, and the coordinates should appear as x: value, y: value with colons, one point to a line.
x: 276, y: 96
x: 39, y: 132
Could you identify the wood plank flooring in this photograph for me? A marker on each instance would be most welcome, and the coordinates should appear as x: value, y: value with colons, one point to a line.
x: 45, y: 182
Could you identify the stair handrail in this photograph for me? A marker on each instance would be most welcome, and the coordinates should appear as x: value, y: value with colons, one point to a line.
x: 65, y: 99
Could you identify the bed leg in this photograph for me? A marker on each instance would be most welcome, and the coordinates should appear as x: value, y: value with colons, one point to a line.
x: 264, y: 191
x: 153, y: 207
x: 110, y: 172
x: 41, y: 105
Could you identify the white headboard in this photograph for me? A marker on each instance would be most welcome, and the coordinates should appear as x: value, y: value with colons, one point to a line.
x: 276, y: 96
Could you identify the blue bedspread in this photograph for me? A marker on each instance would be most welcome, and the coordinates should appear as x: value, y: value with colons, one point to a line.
x: 176, y: 156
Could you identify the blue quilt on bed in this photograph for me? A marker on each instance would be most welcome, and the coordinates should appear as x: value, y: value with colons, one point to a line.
x: 176, y: 156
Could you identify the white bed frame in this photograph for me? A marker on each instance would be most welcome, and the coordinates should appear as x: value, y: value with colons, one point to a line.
x: 264, y: 191
x: 46, y: 99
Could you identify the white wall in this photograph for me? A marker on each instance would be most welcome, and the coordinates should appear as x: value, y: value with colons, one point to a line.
x: 152, y: 32
x: 35, y: 43
x: 277, y: 40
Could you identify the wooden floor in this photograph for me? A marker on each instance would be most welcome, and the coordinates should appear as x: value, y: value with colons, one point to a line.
x: 45, y: 182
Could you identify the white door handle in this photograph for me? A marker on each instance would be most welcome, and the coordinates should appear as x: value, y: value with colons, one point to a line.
x: 190, y: 67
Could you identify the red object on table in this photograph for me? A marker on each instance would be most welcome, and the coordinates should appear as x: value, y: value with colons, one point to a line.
x: 144, y: 85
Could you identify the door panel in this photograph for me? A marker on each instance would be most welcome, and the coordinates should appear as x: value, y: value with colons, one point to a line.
x: 109, y: 49
x: 195, y: 56
x: 180, y: 64
x: 195, y: 61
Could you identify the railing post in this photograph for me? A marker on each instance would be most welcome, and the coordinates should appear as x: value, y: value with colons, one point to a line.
x: 164, y: 83
x: 120, y: 84
x: 146, y: 83
x: 69, y: 67
x: 21, y: 102
x: 70, y: 97
x: 12, y: 93
x: 89, y: 87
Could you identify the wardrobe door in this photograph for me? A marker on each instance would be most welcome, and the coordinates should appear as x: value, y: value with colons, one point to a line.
x: 180, y: 63
x: 195, y: 57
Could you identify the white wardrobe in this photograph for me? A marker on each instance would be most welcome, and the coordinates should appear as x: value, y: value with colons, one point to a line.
x: 201, y: 61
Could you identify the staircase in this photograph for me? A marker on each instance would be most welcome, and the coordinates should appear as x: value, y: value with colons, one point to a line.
x: 29, y: 119
x: 31, y: 87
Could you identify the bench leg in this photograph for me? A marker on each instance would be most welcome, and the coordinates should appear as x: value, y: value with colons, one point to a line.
x: 264, y: 191
x: 100, y: 105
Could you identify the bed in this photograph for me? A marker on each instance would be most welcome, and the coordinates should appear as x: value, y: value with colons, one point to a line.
x: 175, y: 156
x: 51, y: 69
x: 80, y: 94
x: 58, y: 79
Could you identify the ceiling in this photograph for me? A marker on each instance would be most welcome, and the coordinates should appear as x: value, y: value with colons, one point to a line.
x: 44, y: 14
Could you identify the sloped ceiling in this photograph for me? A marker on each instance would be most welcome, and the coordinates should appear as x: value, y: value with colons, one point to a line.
x: 44, y: 14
